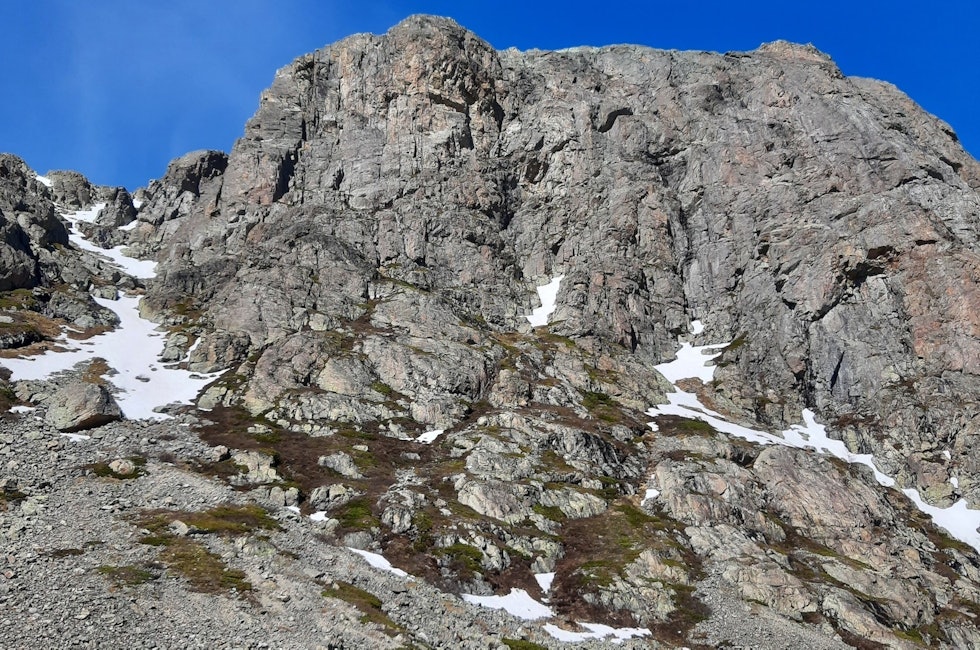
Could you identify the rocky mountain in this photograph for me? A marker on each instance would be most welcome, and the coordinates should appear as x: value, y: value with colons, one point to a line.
x: 361, y: 268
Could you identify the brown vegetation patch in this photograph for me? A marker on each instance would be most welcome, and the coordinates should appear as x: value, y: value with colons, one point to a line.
x: 412, y: 558
x: 298, y: 452
x: 855, y: 641
x: 44, y: 330
x: 597, y: 549
x: 64, y: 552
x: 34, y: 332
x: 520, y: 644
x: 416, y: 551
x: 96, y: 371
x: 517, y: 575
x: 88, y: 332
x: 673, y: 425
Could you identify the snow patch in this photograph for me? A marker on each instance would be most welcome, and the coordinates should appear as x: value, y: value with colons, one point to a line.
x: 650, y: 495
x: 378, y: 561
x: 193, y: 347
x: 76, y: 437
x: 44, y: 180
x: 958, y: 520
x: 21, y: 409
x: 517, y: 603
x: 814, y: 436
x: 520, y: 604
x: 294, y: 509
x: 320, y: 515
x: 545, y: 580
x: 549, y: 297
x: 691, y: 362
x: 430, y: 436
x: 133, y: 351
x: 955, y: 482
x: 130, y: 226
x: 88, y: 216
x: 142, y: 269
x: 696, y: 327
x: 596, y: 631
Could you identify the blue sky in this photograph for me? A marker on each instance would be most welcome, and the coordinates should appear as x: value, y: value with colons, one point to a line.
x: 117, y: 88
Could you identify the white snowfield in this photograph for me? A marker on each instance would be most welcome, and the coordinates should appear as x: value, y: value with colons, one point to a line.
x: 378, y: 562
x: 132, y: 350
x: 692, y: 362
x: 142, y: 269
x: 517, y: 603
x: 549, y: 298
x: 520, y: 604
x: 430, y: 436
x: 544, y: 580
x: 596, y: 631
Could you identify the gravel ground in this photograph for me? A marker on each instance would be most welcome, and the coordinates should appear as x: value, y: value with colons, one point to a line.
x: 64, y: 528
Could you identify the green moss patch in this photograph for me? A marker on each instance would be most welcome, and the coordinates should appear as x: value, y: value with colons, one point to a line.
x: 203, y: 570
x: 18, y: 299
x: 518, y: 644
x: 226, y: 520
x: 356, y: 515
x: 462, y: 557
x: 366, y: 602
x: 128, y: 575
x: 598, y: 550
x: 553, y: 513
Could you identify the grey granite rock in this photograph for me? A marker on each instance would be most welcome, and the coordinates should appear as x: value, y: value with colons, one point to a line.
x: 364, y: 259
x: 81, y: 405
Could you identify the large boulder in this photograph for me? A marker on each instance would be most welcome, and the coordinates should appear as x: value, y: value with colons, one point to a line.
x: 80, y: 406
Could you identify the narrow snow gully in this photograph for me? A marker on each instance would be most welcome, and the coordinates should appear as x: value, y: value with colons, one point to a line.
x: 142, y: 383
x: 958, y: 520
x: 548, y: 294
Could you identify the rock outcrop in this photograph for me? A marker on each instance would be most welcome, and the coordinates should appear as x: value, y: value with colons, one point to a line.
x: 425, y: 189
x: 364, y: 260
x: 80, y: 406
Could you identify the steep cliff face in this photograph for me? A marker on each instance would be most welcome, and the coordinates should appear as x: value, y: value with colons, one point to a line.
x: 826, y: 223
x: 365, y: 259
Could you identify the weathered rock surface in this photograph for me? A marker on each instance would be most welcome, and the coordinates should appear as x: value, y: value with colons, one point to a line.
x: 82, y: 405
x: 364, y: 259
x: 659, y: 183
